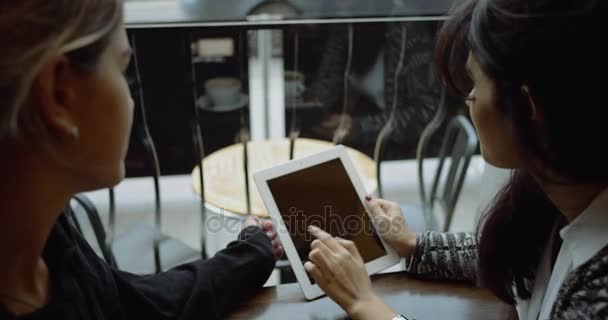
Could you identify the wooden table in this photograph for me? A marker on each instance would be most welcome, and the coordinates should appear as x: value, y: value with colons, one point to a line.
x: 415, y: 299
x: 225, y: 177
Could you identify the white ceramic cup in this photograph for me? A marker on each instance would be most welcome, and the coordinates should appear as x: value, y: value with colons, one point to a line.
x: 223, y: 91
x: 294, y: 83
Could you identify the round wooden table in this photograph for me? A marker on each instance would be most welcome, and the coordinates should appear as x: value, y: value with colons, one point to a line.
x: 225, y: 176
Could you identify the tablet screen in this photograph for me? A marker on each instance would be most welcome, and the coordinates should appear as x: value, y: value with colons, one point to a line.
x: 323, y: 195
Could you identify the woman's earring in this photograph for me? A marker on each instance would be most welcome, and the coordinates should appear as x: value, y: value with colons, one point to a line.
x: 75, y: 133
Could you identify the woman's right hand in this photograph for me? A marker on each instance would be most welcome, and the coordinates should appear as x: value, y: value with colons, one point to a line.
x: 339, y: 270
x: 391, y: 225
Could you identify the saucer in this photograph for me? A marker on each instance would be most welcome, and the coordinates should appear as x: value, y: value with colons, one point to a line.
x: 206, y: 104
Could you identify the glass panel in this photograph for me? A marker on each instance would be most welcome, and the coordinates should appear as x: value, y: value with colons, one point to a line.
x: 284, y: 84
x: 236, y: 12
x: 349, y: 83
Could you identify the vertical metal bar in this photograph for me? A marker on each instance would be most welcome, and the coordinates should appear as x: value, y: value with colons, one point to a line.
x: 244, y: 139
x: 378, y: 149
x: 152, y: 157
x: 275, y: 90
x: 246, y: 169
x: 264, y: 56
x: 294, y: 132
x: 340, y: 133
x: 111, y: 222
x: 257, y: 86
x: 199, y: 155
x: 427, y: 133
x: 267, y: 97
x: 446, y: 144
x: 388, y: 128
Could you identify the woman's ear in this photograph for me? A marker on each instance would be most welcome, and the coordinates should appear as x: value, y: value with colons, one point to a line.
x: 53, y: 92
x: 534, y: 112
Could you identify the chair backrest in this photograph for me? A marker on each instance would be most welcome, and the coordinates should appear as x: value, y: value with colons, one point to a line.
x: 94, y: 221
x: 459, y: 144
x: 425, y: 139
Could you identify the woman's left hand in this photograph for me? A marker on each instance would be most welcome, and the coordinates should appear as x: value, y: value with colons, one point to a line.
x: 268, y: 228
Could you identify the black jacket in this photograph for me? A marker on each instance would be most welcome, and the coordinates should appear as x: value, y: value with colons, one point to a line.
x: 85, y: 287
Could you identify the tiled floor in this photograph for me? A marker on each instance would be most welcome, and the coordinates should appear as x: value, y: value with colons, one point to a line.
x: 181, y: 207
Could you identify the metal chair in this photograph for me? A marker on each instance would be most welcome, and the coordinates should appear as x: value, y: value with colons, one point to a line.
x: 103, y: 246
x: 458, y: 145
x: 134, y: 250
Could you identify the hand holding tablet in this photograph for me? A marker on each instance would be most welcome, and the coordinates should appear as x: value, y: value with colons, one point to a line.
x: 321, y: 190
x: 268, y: 228
x: 389, y: 214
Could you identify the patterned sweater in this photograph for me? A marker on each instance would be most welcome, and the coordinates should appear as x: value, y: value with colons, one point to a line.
x: 452, y: 256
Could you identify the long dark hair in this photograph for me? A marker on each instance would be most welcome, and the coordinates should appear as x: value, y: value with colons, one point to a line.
x: 554, y: 48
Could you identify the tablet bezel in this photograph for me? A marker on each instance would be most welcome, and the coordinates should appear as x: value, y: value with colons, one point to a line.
x: 312, y: 291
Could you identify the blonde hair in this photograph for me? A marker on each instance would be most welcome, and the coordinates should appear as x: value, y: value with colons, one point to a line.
x: 34, y: 31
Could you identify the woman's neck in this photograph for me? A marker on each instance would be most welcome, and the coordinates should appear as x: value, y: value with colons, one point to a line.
x: 571, y: 200
x: 31, y: 196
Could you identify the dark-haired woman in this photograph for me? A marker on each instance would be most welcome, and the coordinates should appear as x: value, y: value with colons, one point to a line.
x: 533, y: 74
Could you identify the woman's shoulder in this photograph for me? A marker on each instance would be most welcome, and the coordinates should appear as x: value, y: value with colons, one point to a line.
x: 585, y: 293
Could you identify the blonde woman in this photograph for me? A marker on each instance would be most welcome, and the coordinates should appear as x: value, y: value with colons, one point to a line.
x: 65, y: 117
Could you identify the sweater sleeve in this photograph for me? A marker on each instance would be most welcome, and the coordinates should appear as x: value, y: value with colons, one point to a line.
x: 445, y: 256
x: 584, y: 294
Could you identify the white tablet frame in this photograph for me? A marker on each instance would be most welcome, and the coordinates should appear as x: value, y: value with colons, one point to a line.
x: 312, y: 291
